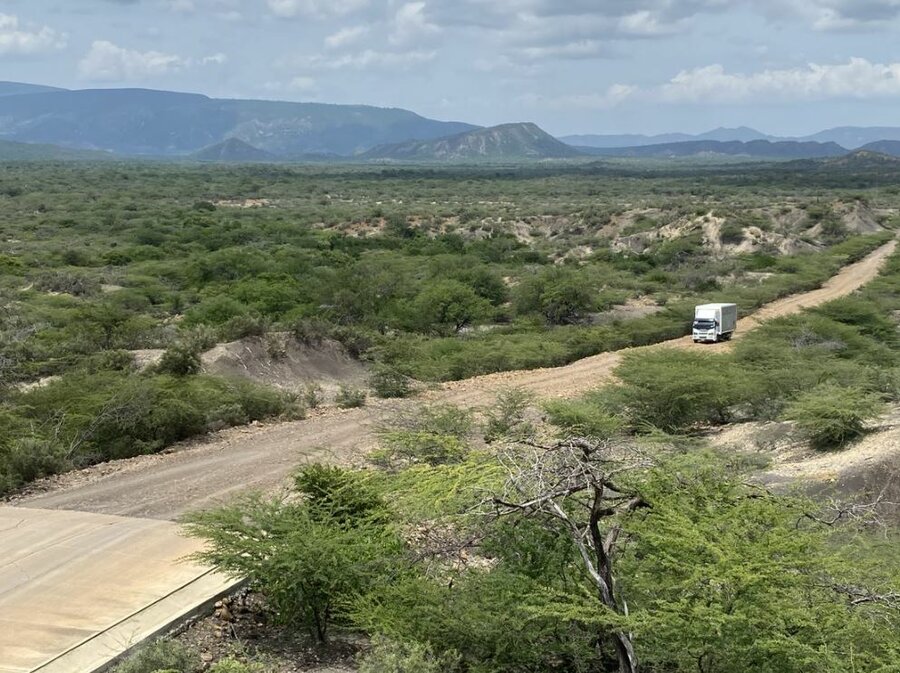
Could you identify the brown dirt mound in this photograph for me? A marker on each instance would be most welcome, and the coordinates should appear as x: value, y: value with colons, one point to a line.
x: 293, y: 367
x: 862, y: 470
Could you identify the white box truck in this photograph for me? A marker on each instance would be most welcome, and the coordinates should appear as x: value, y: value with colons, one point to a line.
x: 714, y: 322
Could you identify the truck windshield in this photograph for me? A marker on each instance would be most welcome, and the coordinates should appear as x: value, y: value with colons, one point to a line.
x: 704, y: 324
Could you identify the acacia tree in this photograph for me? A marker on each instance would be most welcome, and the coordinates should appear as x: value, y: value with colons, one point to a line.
x: 575, y: 486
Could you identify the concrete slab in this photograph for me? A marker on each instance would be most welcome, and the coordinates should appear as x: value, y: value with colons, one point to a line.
x: 78, y: 589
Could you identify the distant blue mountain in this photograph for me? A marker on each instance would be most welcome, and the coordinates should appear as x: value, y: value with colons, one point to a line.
x: 851, y: 137
x: 754, y: 148
x: 854, y: 137
x: 741, y: 133
x: 17, y: 88
x: 163, y: 123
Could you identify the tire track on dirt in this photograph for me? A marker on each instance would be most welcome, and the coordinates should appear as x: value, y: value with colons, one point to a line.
x: 208, y: 471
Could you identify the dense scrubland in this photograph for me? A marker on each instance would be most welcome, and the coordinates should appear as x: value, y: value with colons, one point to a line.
x: 597, y: 535
x: 423, y: 274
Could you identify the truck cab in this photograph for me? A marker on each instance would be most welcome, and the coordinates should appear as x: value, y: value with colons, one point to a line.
x: 705, y: 329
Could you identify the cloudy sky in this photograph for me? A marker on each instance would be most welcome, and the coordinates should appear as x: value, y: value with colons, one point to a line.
x: 572, y: 66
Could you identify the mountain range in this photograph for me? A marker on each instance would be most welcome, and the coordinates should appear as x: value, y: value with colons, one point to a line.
x: 163, y: 123
x: 522, y: 140
x: 47, y: 122
x: 848, y: 137
x: 785, y: 149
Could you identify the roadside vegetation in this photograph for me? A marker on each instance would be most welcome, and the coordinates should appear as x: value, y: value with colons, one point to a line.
x: 831, y: 369
x: 423, y: 274
x: 488, y: 544
x: 522, y: 556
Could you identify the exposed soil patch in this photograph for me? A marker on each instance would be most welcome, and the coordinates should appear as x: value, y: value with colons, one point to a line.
x: 242, y: 628
x: 634, y: 307
x: 241, y: 203
x: 291, y: 367
x: 276, y: 360
x: 863, y: 469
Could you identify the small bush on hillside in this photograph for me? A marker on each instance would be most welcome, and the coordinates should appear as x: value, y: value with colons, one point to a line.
x: 242, y: 326
x: 276, y: 346
x: 200, y: 338
x: 731, y: 233
x: 417, y: 446
x: 312, y: 395
x: 311, y: 557
x: 832, y: 415
x: 161, y: 655
x: 507, y: 417
x: 583, y: 417
x: 434, y: 434
x: 350, y: 398
x: 357, y: 341
x: 30, y: 458
x: 179, y: 360
x: 311, y: 331
x: 388, y: 656
x: 231, y: 665
x: 387, y: 382
x: 76, y: 284
x: 674, y: 390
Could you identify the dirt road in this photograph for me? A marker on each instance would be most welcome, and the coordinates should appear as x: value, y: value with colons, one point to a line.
x: 261, y: 457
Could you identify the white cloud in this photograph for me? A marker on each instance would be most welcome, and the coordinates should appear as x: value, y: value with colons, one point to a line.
x: 346, y: 36
x: 712, y: 84
x: 301, y: 84
x: 613, y: 96
x: 214, y: 59
x: 410, y: 25
x: 647, y: 24
x: 568, y: 50
x: 839, y: 15
x: 858, y: 78
x: 317, y: 8
x: 368, y: 59
x: 107, y: 62
x: 19, y: 39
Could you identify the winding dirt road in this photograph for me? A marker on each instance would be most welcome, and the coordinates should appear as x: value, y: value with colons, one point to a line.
x: 209, y: 471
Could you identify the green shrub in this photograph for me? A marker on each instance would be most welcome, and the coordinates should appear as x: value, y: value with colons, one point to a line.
x: 389, y: 656
x: 312, y: 395
x: 584, y: 417
x: 28, y: 458
x: 674, y: 390
x: 231, y: 665
x: 242, y: 326
x: 387, y: 382
x: 412, y: 446
x: 350, y: 398
x: 831, y: 415
x: 199, y: 338
x: 311, y: 557
x: 114, y: 414
x: 160, y: 655
x: 506, y: 418
x: 179, y: 360
x: 311, y: 331
x: 732, y: 233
